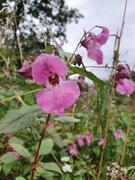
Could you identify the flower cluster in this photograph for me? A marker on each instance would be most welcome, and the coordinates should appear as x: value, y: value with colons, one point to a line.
x: 116, y: 171
x: 124, y: 85
x: 59, y: 93
x: 93, y: 42
x: 66, y: 167
x: 80, y: 141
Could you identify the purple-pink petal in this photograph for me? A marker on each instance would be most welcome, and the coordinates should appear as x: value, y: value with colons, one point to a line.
x: 125, y: 73
x: 118, y: 134
x: 46, y: 65
x: 56, y: 99
x: 80, y: 141
x: 26, y: 70
x: 88, y: 138
x: 95, y: 54
x: 103, y: 36
x: 73, y: 150
x: 125, y: 86
x: 101, y: 141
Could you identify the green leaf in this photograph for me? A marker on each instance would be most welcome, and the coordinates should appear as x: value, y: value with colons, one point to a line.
x: 67, y: 119
x: 15, y: 140
x: 46, y: 146
x: 49, y: 48
x: 104, y: 99
x: 51, y: 166
x: 131, y: 168
x: 18, y: 119
x: 21, y: 150
x: 7, y: 168
x: 7, y: 157
x: 20, y: 178
x: 89, y: 75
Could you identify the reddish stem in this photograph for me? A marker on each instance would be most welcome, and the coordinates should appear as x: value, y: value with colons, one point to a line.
x: 34, y: 164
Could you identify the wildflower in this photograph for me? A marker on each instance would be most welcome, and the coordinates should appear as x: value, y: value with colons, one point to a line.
x: 73, y: 150
x: 8, y: 136
x: 123, y: 71
x: 65, y: 159
x: 26, y: 69
x: 67, y: 168
x: 77, y: 60
x: 88, y: 138
x: 80, y: 141
x: 101, y: 142
x: 118, y: 134
x: 59, y: 93
x: 6, y: 73
x: 51, y: 124
x: 93, y: 42
x: 115, y: 171
x: 123, y: 84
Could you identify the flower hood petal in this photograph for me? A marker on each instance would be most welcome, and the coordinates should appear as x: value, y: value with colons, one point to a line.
x: 56, y: 99
x: 46, y: 65
x: 95, y: 54
x: 103, y: 36
x: 125, y: 86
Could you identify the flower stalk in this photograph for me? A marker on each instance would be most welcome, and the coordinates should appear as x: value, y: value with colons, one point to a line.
x: 116, y: 59
x: 37, y: 155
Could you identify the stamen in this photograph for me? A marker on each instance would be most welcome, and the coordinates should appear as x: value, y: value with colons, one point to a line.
x: 54, y: 79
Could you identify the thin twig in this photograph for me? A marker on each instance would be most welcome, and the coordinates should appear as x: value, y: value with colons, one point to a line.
x: 70, y: 60
x: 15, y: 96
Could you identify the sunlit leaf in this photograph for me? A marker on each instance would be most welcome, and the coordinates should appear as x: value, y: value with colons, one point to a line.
x: 89, y: 75
x: 46, y: 146
x: 18, y: 119
x: 20, y: 149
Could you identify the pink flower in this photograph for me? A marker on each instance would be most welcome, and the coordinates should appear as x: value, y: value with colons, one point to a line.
x: 8, y: 136
x: 73, y: 150
x: 118, y: 134
x: 88, y: 138
x: 125, y: 86
x: 123, y: 71
x: 103, y: 36
x: 26, y: 69
x: 59, y: 93
x: 7, y: 73
x: 51, y: 124
x: 80, y: 141
x: 93, y: 42
x: 101, y: 142
x: 47, y: 66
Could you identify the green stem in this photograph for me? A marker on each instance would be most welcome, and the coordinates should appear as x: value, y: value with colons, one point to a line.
x: 111, y: 94
x: 125, y: 143
x: 17, y: 95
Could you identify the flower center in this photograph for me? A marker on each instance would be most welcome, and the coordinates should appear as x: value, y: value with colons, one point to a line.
x: 54, y: 79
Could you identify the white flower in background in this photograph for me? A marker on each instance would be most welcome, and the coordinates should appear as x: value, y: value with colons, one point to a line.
x: 67, y: 168
x: 65, y: 159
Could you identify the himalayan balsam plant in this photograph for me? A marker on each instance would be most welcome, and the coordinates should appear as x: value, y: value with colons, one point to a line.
x: 74, y: 131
